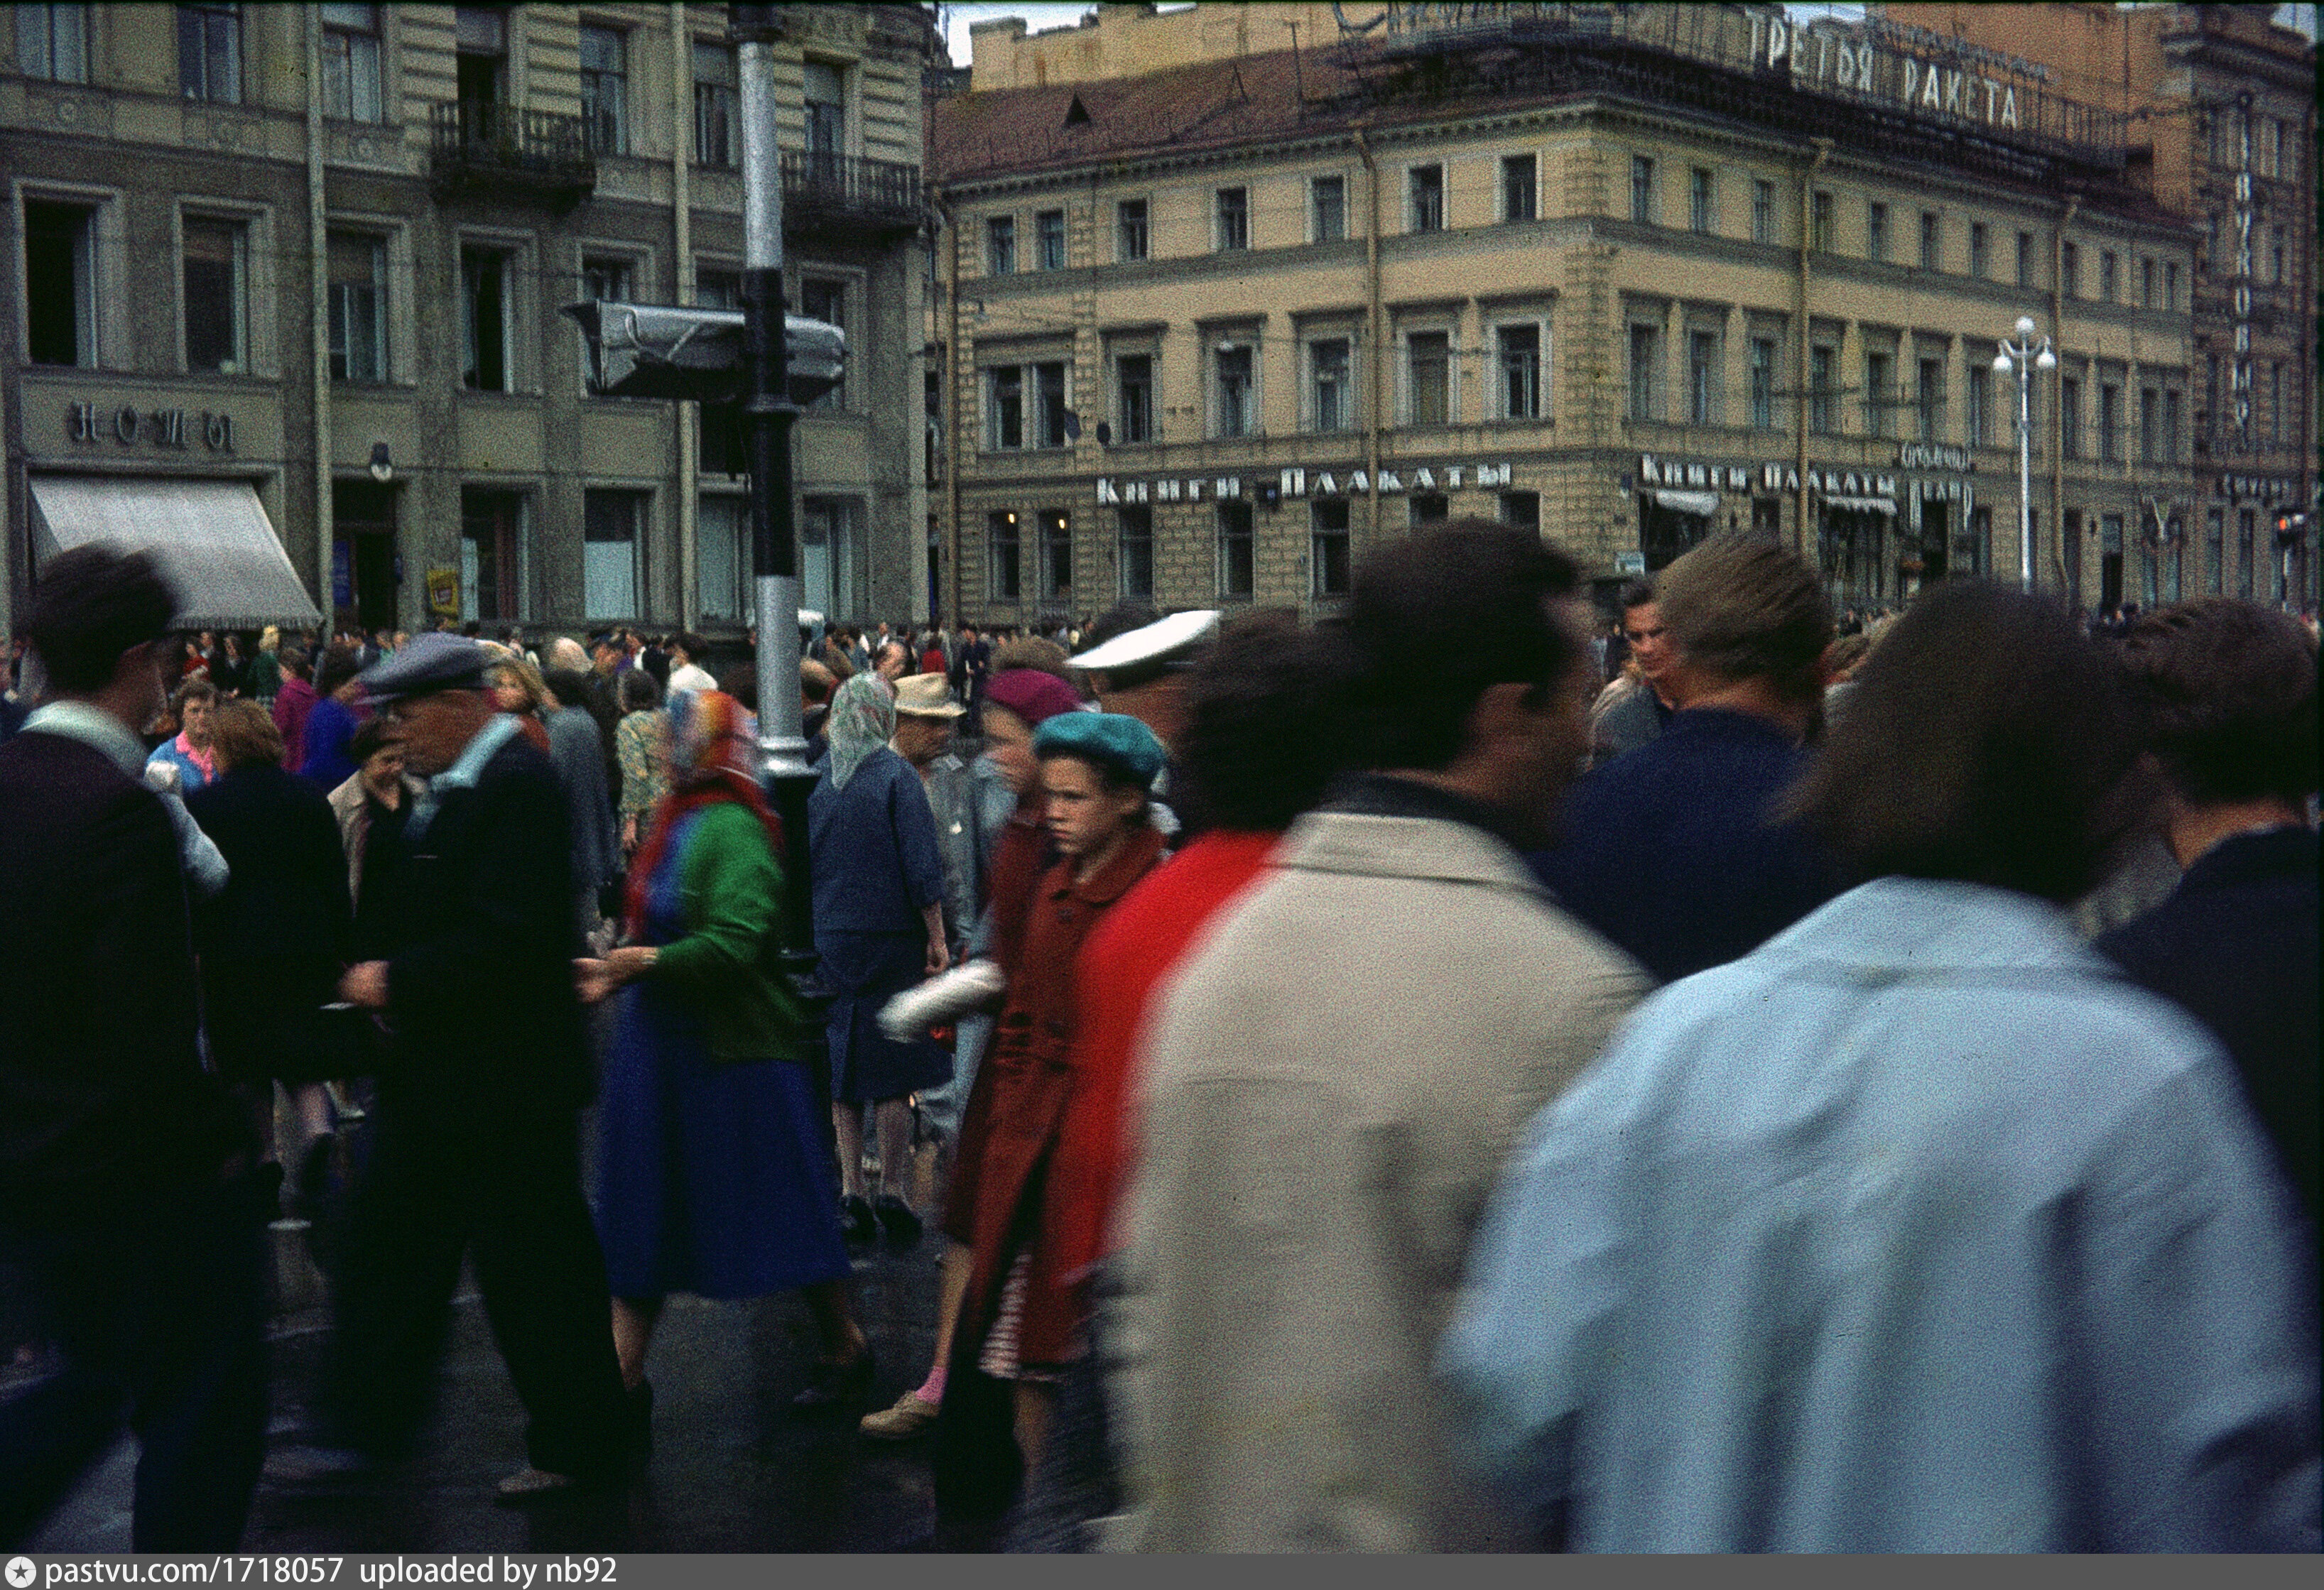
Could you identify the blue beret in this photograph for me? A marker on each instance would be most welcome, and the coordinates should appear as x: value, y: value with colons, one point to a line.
x: 1110, y: 740
x: 432, y: 662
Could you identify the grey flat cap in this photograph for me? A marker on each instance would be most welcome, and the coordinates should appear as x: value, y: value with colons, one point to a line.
x: 432, y: 662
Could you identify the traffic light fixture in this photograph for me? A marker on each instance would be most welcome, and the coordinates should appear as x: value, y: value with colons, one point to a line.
x: 2291, y: 528
x: 693, y: 355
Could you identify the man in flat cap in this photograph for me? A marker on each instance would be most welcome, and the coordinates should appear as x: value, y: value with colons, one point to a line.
x: 469, y: 917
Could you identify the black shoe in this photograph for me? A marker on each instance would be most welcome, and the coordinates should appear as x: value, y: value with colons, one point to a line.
x: 896, y: 1220
x: 856, y: 1222
x: 845, y: 1384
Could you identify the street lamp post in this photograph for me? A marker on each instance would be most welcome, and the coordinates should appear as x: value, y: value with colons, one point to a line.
x: 2022, y: 358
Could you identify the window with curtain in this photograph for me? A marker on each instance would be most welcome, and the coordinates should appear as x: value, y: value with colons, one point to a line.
x: 351, y: 90
x: 717, y: 108
x: 721, y: 570
x: 358, y: 283
x: 1133, y: 380
x: 1519, y: 350
x: 611, y: 552
x: 1428, y: 360
x: 605, y: 90
x: 52, y: 43
x: 1134, y: 551
x: 216, y: 295
x: 1235, y: 566
x: 209, y: 54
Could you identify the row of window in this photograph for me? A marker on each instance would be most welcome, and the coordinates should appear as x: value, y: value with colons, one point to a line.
x: 1032, y: 405
x: 2156, y: 287
x: 53, y: 43
x: 1045, y: 548
x: 498, y: 562
x: 62, y: 297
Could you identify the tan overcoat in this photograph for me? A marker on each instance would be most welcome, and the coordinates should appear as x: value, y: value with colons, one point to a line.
x: 1333, y: 1085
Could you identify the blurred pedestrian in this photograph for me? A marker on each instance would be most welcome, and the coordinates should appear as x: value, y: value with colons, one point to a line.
x: 1918, y: 1228
x: 2226, y: 689
x: 371, y: 804
x: 131, y: 1198
x: 714, y: 1178
x: 642, y: 746
x: 1637, y: 716
x: 578, y: 752
x: 266, y: 675
x: 476, y: 1148
x: 189, y: 749
x: 685, y: 670
x: 1673, y: 851
x: 1335, y: 1077
x: 878, y: 929
x: 276, y: 938
x: 294, y: 701
x: 338, y: 709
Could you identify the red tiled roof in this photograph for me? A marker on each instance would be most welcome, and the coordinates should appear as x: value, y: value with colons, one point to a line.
x: 1210, y: 104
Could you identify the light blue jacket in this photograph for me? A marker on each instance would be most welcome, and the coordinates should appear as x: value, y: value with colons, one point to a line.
x: 1916, y: 1229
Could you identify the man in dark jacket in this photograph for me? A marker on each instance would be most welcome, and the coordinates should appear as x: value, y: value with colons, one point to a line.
x: 2229, y: 693
x: 129, y: 1194
x: 469, y: 923
x: 1676, y: 850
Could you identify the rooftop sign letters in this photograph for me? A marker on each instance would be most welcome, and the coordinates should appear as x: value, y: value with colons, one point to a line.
x: 1868, y: 65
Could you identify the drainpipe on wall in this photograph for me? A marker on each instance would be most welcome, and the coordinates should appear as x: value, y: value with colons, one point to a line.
x: 681, y: 186
x: 318, y: 306
x: 2057, y: 406
x: 954, y: 361
x: 1379, y: 353
x: 1822, y: 147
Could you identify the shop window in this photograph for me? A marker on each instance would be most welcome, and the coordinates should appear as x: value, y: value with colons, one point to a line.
x: 1005, y: 551
x: 717, y: 108
x: 60, y: 283
x: 209, y: 54
x: 52, y: 43
x: 1056, y: 553
x: 1134, y: 551
x: 1327, y: 209
x: 1235, y: 566
x: 612, y: 553
x: 1328, y: 563
x: 216, y: 269
x: 723, y: 575
x: 358, y: 283
x: 495, y: 555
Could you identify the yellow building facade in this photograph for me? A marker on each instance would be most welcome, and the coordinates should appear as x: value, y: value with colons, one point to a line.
x: 1629, y: 280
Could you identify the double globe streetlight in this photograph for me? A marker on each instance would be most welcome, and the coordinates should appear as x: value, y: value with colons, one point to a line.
x: 2022, y: 358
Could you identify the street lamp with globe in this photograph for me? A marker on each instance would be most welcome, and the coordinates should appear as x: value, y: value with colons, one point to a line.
x: 2022, y: 358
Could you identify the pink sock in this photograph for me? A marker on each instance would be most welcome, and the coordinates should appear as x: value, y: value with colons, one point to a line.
x: 932, y: 1389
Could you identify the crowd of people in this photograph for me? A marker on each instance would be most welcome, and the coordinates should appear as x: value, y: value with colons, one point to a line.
x: 1467, y: 1074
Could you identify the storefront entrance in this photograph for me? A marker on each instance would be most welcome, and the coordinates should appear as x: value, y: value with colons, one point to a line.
x: 364, y: 574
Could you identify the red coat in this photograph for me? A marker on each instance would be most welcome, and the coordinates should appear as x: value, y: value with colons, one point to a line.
x: 1032, y: 1079
x: 1126, y: 960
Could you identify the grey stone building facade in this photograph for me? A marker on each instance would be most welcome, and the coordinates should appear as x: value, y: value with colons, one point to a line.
x: 318, y: 254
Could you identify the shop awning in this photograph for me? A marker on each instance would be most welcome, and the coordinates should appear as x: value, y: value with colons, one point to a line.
x: 1886, y: 505
x: 211, y: 537
x: 1701, y: 504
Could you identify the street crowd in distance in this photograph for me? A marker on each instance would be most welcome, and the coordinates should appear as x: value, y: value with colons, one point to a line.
x: 1464, y: 1074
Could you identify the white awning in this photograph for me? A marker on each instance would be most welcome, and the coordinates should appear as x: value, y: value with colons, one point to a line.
x: 1701, y: 504
x: 1886, y: 505
x: 211, y: 537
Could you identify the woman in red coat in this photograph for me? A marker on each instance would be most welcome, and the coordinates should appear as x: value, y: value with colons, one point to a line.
x: 1016, y: 1318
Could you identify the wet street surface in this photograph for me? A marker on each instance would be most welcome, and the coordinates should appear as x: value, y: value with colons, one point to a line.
x: 732, y: 1469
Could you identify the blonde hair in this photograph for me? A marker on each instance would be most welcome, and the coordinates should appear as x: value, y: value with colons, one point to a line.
x: 528, y: 678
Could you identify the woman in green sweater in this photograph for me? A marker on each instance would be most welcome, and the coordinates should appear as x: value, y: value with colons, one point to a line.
x: 714, y: 1176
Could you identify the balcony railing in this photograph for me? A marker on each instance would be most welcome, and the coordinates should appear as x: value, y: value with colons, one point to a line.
x: 849, y: 191
x: 476, y: 146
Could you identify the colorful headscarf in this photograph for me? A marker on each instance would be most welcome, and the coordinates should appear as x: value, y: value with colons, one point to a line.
x: 862, y: 719
x: 713, y: 755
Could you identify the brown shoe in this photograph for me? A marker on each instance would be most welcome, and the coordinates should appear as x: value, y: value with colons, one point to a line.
x: 909, y: 1416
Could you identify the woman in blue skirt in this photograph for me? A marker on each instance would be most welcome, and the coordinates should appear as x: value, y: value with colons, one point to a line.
x: 713, y: 1174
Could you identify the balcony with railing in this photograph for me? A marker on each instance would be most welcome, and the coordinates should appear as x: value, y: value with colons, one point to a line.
x: 846, y: 191
x: 479, y: 147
